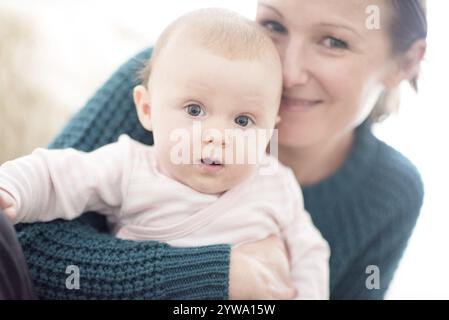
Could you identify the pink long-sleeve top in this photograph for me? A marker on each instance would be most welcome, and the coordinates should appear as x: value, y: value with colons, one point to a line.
x: 122, y: 181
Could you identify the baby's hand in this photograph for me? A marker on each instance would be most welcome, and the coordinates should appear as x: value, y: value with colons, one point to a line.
x: 8, y: 205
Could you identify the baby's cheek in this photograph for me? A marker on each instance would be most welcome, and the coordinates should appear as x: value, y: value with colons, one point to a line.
x: 239, y: 173
x: 175, y: 137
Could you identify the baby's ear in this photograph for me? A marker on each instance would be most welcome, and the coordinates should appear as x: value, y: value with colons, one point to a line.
x: 142, y: 102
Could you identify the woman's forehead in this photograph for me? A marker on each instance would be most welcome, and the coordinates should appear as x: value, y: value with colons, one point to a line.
x: 353, y: 14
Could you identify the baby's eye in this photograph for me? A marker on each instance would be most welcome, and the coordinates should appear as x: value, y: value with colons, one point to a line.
x: 334, y: 43
x: 194, y: 110
x: 243, y: 121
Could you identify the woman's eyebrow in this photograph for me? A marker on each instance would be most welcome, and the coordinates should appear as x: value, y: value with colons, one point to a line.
x: 271, y: 8
x: 343, y: 26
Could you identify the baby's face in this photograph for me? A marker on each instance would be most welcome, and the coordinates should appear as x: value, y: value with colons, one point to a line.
x: 201, y: 108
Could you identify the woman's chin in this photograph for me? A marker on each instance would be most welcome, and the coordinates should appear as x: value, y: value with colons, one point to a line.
x: 297, y: 137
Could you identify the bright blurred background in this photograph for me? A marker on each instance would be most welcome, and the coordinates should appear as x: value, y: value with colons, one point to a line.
x: 54, y: 54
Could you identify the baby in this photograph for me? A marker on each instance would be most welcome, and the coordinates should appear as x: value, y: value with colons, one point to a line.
x: 214, y: 81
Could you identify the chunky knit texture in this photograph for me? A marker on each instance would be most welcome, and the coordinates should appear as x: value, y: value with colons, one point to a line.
x: 366, y: 210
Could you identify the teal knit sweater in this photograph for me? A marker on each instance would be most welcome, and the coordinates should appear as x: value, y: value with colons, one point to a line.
x: 366, y: 211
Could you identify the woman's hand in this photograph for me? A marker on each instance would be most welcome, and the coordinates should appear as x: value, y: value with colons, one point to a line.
x: 8, y: 205
x: 260, y: 270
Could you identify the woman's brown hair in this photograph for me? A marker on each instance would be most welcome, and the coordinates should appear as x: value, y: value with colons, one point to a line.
x: 408, y: 24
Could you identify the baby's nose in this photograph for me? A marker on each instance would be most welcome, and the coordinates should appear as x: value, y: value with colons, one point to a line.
x: 214, y: 136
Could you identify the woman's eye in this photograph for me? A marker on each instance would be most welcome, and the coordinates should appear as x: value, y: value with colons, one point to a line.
x: 243, y: 121
x: 274, y: 26
x: 194, y: 110
x: 334, y: 43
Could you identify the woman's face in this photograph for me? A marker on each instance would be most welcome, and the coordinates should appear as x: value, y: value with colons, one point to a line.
x: 334, y: 65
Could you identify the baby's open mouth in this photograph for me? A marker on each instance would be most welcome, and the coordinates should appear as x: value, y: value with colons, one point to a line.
x: 211, y: 165
x: 211, y: 162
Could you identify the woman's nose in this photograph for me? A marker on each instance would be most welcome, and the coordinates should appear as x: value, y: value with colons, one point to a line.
x: 294, y: 65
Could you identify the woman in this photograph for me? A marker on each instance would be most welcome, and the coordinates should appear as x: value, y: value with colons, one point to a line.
x: 365, y: 197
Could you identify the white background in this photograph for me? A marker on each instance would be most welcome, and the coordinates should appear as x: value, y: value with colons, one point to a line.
x: 81, y: 42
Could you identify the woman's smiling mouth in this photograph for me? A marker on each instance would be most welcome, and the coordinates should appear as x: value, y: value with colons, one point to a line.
x: 298, y: 104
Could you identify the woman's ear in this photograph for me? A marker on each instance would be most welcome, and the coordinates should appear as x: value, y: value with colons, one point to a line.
x: 142, y: 102
x: 406, y: 65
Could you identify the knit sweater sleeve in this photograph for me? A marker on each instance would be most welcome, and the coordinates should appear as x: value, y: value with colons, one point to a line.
x: 111, y: 268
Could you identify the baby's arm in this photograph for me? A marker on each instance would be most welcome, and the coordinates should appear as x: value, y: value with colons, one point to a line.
x: 309, y: 258
x: 51, y: 184
x: 308, y: 251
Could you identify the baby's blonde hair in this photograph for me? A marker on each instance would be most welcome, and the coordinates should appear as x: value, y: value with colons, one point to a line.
x: 222, y: 32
